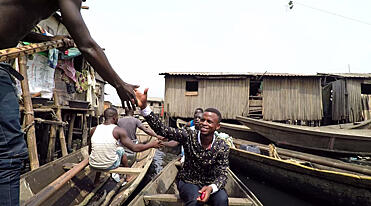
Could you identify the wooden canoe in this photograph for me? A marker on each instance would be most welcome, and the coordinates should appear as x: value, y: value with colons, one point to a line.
x: 34, y: 184
x: 162, y: 190
x: 340, y: 141
x: 325, y: 180
x: 242, y: 132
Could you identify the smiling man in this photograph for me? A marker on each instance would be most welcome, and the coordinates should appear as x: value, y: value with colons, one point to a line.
x: 204, y: 172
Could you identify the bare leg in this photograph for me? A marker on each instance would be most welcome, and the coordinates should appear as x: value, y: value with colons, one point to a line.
x: 124, y: 162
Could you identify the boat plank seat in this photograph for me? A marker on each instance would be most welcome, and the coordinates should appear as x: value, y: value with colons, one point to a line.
x: 233, y: 201
x: 119, y: 170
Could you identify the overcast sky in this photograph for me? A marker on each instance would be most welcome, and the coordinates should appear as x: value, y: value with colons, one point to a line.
x: 143, y: 38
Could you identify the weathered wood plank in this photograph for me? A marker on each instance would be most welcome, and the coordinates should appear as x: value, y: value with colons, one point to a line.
x: 233, y: 201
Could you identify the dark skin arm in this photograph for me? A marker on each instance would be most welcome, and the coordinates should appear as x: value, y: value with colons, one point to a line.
x: 92, y: 130
x: 147, y: 130
x: 72, y: 19
x: 120, y: 134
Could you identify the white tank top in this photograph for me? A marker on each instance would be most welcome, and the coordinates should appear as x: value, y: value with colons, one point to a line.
x: 104, y: 146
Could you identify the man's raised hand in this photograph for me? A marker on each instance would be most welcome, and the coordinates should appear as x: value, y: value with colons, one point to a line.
x: 141, y: 98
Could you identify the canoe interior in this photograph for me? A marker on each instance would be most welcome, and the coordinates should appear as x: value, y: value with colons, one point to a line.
x: 164, y: 183
x: 34, y: 181
x: 324, y: 184
x: 75, y: 190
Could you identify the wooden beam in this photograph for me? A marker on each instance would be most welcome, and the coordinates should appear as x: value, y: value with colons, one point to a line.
x: 29, y: 114
x: 46, y: 121
x: 119, y: 170
x: 233, y: 201
x: 12, y: 53
x: 49, y: 190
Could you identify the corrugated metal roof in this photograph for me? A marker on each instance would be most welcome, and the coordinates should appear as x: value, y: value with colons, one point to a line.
x: 348, y: 75
x: 237, y: 74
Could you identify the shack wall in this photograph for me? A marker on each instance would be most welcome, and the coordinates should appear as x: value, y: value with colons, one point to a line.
x: 229, y: 96
x: 292, y: 99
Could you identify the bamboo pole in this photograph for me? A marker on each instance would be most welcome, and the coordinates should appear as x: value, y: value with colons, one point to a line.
x: 29, y: 114
x: 62, y: 138
x: 49, y: 190
x: 12, y: 53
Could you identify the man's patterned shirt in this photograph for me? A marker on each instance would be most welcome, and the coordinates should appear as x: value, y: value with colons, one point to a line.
x: 201, y: 166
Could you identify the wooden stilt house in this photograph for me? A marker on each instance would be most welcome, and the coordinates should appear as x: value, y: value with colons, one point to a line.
x: 348, y: 97
x: 278, y: 97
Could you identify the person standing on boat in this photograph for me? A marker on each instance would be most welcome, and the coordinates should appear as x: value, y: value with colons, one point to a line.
x: 106, y: 154
x: 18, y: 17
x: 204, y: 173
x: 130, y: 125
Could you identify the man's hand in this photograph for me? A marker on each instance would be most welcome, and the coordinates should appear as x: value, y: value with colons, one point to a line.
x: 67, y: 40
x: 141, y: 98
x: 157, y: 144
x: 205, y: 193
x: 161, y: 138
x: 127, y: 95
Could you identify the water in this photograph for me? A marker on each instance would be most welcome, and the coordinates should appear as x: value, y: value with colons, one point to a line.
x: 266, y: 193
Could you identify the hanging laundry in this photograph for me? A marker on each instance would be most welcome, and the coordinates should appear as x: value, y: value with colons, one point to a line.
x: 53, y: 58
x: 82, y: 81
x: 68, y: 68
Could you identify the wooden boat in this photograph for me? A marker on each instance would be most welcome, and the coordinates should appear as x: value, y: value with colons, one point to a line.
x: 242, y: 132
x: 52, y: 184
x: 340, y: 141
x: 325, y: 180
x: 163, y: 191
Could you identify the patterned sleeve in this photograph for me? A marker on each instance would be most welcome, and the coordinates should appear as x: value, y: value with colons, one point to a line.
x: 222, y: 165
x: 179, y: 135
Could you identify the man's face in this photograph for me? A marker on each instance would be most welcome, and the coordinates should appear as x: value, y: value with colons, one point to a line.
x: 209, y: 123
x: 196, y: 119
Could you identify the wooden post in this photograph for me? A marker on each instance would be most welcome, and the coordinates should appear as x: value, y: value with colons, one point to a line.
x: 70, y: 130
x: 29, y: 114
x: 60, y: 129
x: 84, y: 131
x: 51, y: 147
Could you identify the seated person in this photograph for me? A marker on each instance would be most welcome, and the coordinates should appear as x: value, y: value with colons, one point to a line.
x: 130, y: 124
x: 105, y: 151
x: 205, y: 168
x: 196, y: 126
x: 192, y: 123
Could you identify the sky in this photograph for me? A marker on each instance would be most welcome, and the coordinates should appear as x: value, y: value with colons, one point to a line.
x: 143, y: 38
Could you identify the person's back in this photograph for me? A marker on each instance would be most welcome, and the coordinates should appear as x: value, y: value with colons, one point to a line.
x: 103, y: 147
x: 18, y: 17
x: 130, y: 124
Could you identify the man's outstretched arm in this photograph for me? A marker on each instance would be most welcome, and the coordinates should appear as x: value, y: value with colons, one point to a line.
x: 72, y: 19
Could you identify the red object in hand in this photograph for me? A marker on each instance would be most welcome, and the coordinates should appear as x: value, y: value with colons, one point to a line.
x: 203, y: 195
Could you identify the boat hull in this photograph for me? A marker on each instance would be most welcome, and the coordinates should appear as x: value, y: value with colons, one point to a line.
x: 165, y: 183
x: 76, y: 189
x: 328, y: 187
x: 348, y: 142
